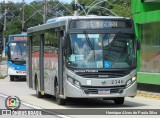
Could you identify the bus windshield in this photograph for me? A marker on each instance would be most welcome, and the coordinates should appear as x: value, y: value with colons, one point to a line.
x: 101, y: 51
x: 18, y: 50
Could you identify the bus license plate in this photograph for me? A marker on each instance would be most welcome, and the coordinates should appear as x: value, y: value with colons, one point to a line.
x: 104, y: 92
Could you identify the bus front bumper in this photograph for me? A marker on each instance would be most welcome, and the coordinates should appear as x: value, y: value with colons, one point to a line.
x: 16, y: 72
x: 75, y: 92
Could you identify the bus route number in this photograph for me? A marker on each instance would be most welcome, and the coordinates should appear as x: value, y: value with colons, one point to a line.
x: 117, y: 82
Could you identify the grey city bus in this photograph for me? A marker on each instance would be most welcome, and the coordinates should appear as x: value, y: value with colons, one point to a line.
x: 83, y: 57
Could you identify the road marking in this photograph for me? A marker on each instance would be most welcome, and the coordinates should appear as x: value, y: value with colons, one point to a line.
x: 4, y: 96
x: 32, y: 106
x: 62, y: 116
x: 36, y: 107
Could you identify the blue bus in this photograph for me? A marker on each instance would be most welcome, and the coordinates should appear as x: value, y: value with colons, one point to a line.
x: 16, y: 53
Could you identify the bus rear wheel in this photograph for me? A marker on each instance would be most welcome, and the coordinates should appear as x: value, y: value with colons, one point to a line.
x: 11, y: 78
x: 119, y: 101
x: 38, y: 94
x: 59, y: 101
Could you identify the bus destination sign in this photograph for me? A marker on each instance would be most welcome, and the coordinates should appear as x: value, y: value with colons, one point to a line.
x: 99, y: 24
x: 19, y: 38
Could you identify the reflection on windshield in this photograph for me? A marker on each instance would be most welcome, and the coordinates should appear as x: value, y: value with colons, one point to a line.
x: 119, y: 52
x: 109, y: 51
x: 18, y: 50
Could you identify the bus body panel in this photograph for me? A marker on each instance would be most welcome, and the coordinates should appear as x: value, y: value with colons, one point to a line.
x: 97, y: 84
x: 35, y: 70
x: 72, y: 91
x: 17, y: 70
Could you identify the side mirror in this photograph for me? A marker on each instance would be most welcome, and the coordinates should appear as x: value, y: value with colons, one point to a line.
x: 138, y: 45
x: 63, y: 42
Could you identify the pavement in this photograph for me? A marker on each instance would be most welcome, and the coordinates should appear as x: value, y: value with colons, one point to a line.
x: 3, y: 69
x: 147, y: 94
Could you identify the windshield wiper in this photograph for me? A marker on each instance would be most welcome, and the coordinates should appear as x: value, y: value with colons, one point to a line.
x: 115, y: 37
x: 88, y: 40
x: 16, y: 58
x: 90, y: 44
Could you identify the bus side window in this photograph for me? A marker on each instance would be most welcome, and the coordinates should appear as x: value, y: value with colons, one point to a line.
x: 51, y: 41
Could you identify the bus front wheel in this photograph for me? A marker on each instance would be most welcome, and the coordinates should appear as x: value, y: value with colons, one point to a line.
x: 119, y: 101
x: 60, y: 101
x: 11, y: 78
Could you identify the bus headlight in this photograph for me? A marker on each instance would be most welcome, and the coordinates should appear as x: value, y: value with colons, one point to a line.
x: 18, y: 71
x: 74, y: 82
x: 131, y: 81
x: 11, y: 67
x: 134, y: 78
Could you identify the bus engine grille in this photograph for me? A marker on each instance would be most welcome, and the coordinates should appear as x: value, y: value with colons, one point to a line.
x: 111, y: 90
x: 103, y: 74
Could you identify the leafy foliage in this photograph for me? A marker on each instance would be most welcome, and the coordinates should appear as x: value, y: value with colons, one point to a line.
x: 34, y: 12
x: 120, y: 7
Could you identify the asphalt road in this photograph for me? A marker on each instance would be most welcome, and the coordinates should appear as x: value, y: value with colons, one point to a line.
x: 30, y: 101
x: 28, y: 97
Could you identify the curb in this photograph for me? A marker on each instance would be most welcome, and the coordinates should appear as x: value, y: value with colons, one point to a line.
x: 3, y: 77
x: 148, y: 95
x: 3, y: 71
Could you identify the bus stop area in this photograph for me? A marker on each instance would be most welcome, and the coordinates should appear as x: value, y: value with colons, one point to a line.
x: 147, y: 26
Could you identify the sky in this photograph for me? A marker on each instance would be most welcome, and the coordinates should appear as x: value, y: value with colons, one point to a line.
x: 68, y: 1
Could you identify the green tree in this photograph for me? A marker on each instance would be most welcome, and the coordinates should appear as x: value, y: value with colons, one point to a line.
x: 34, y: 10
x: 120, y: 7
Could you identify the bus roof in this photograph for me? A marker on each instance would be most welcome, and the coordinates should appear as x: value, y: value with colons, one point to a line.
x: 24, y: 34
x: 61, y: 21
x: 82, y: 17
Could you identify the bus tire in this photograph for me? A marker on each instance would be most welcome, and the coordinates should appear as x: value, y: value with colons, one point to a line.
x: 11, y: 78
x: 119, y: 101
x: 38, y: 94
x: 59, y: 101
